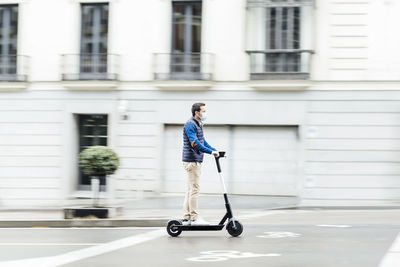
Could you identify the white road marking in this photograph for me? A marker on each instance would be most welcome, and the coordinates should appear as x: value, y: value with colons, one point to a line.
x: 50, y: 244
x: 278, y: 235
x: 270, y: 212
x: 79, y: 228
x: 334, y: 225
x: 260, y: 214
x: 392, y: 257
x: 84, y: 253
x: 223, y: 255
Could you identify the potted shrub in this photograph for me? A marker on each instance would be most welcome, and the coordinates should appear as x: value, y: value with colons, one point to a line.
x: 98, y: 162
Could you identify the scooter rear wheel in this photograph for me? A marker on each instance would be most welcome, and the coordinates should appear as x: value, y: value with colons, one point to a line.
x: 234, y: 230
x: 173, y: 232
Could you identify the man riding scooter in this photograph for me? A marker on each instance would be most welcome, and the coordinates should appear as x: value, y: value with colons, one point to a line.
x: 194, y: 147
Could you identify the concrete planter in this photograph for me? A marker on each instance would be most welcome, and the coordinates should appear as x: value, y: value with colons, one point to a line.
x: 98, y: 212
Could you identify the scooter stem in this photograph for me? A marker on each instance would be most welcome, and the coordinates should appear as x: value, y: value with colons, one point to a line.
x: 221, y: 154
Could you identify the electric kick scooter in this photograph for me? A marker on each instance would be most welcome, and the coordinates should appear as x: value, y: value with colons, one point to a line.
x: 234, y: 227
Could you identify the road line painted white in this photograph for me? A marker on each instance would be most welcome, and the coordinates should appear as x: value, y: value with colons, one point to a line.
x: 270, y: 212
x: 260, y: 214
x: 396, y: 245
x: 334, y: 225
x: 50, y: 244
x: 392, y: 257
x: 80, y: 228
x: 85, y: 253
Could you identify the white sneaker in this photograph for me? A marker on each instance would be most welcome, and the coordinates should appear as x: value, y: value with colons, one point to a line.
x: 186, y: 222
x: 200, y: 221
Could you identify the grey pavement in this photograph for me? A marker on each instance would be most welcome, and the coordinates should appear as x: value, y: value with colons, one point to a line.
x: 277, y: 238
x: 215, y: 202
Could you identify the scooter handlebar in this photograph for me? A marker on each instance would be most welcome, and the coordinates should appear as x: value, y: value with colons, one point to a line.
x: 221, y: 155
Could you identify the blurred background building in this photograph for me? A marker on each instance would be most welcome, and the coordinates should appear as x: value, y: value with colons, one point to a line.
x: 304, y: 95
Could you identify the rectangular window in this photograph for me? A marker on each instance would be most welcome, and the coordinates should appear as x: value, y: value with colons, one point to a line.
x: 279, y: 38
x: 94, y: 38
x: 185, y: 61
x: 186, y: 39
x: 93, y: 131
x: 8, y: 42
x: 282, y: 33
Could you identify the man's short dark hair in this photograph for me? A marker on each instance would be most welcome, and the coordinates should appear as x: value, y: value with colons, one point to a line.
x: 196, y: 107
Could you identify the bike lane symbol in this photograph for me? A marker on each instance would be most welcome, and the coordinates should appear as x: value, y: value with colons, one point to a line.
x: 223, y: 255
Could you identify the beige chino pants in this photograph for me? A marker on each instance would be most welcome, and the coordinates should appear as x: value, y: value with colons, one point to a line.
x: 193, y: 170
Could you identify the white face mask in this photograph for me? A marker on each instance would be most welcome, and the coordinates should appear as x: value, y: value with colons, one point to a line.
x: 203, y: 116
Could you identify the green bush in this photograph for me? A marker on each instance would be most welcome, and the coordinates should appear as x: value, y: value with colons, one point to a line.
x: 98, y: 160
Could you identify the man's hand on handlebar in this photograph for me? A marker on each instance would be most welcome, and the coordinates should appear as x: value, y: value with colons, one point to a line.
x: 216, y: 154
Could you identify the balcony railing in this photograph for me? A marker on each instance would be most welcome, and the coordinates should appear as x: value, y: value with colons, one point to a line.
x: 90, y: 67
x: 280, y: 64
x: 277, y: 3
x: 14, y: 68
x: 183, y: 66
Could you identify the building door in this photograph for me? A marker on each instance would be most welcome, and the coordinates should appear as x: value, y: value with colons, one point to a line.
x: 93, y: 131
x: 265, y: 160
x: 261, y: 160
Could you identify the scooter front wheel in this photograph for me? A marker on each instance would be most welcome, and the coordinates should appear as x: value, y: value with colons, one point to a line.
x: 234, y: 229
x: 171, y: 228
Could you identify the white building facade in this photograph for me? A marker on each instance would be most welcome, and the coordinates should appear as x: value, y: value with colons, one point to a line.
x: 303, y: 95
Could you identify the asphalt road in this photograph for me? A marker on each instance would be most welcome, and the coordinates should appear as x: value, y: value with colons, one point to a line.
x: 270, y: 238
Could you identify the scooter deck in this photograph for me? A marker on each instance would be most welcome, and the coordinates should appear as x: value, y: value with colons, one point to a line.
x: 215, y: 227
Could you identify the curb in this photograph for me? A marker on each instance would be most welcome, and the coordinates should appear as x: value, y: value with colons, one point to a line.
x: 83, y: 223
x: 342, y: 208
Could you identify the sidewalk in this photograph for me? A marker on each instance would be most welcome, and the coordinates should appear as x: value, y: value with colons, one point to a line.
x: 148, y: 212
